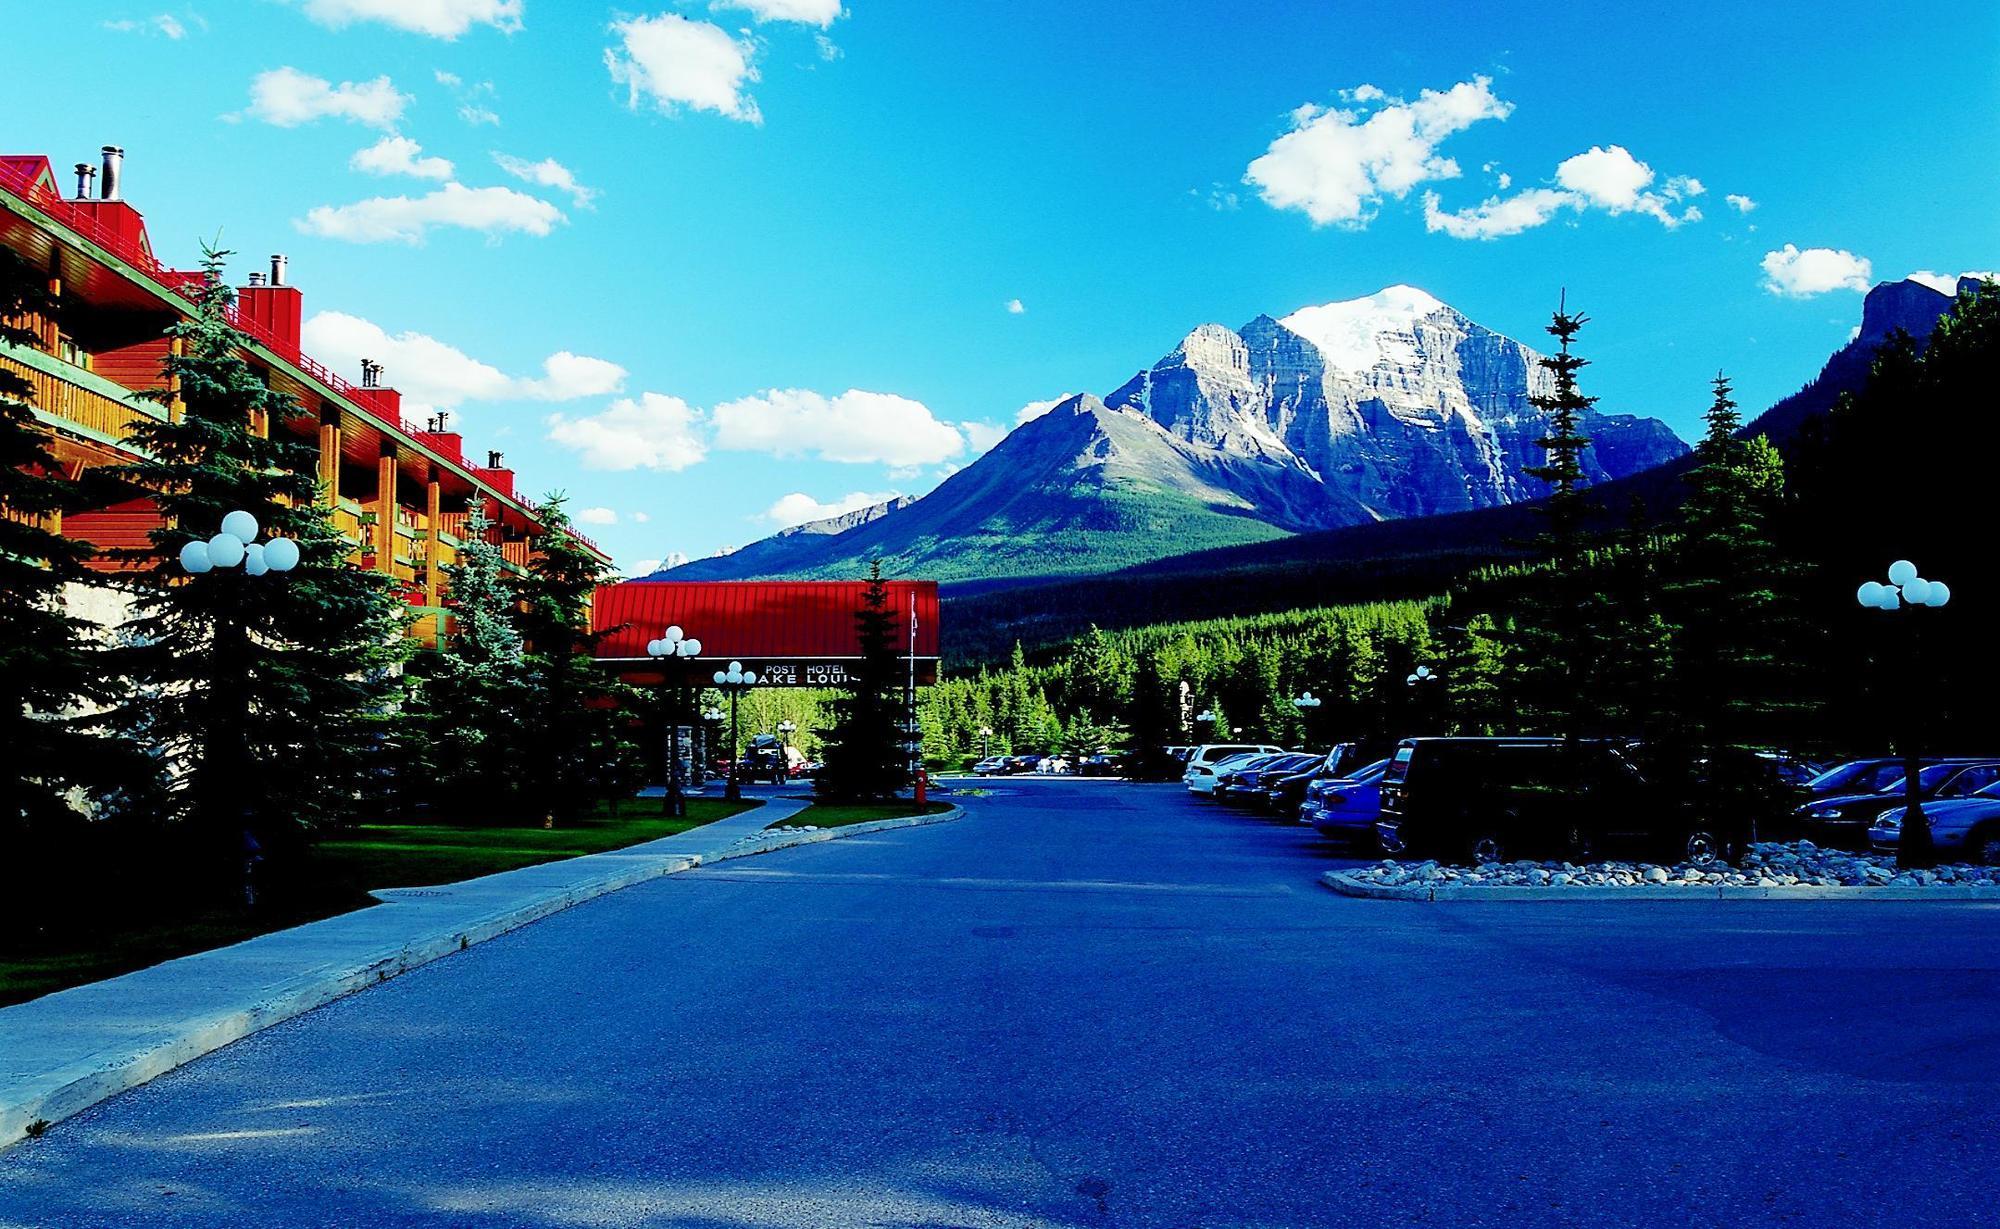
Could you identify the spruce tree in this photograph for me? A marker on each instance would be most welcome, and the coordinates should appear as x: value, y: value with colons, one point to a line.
x: 265, y: 696
x: 576, y: 715
x: 864, y: 756
x: 46, y: 664
x: 1555, y: 657
x: 469, y: 696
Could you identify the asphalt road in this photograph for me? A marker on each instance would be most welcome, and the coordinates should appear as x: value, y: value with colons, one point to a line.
x: 1092, y: 1004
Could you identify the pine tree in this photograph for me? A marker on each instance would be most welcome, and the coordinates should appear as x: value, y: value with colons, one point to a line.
x: 863, y: 754
x: 264, y: 695
x: 46, y: 665
x: 1555, y: 656
x: 470, y: 695
x: 576, y: 715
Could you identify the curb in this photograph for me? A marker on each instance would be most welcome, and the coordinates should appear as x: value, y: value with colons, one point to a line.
x: 55, y: 1095
x: 1348, y: 885
x: 752, y: 846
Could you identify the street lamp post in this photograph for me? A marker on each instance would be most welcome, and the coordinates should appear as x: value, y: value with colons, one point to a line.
x: 735, y: 683
x: 236, y: 546
x: 1307, y: 703
x: 711, y: 720
x: 674, y: 646
x: 985, y: 742
x: 1914, y: 847
x: 786, y: 729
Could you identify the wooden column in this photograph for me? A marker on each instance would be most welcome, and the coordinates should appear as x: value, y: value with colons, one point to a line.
x: 176, y: 408
x: 51, y: 331
x: 433, y: 512
x: 385, y: 511
x: 329, y: 455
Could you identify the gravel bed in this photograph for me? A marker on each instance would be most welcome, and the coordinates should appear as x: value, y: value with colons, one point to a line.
x: 1764, y: 866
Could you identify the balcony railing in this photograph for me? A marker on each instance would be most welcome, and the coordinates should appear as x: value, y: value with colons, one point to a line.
x: 94, y: 411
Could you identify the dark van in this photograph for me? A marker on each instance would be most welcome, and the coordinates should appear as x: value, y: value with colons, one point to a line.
x: 1496, y: 799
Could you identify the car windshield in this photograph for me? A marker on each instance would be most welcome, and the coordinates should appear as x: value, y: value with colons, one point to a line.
x: 1371, y: 772
x: 1928, y: 779
x: 1859, y: 777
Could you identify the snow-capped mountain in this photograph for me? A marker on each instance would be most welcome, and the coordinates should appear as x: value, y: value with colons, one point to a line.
x: 1392, y: 405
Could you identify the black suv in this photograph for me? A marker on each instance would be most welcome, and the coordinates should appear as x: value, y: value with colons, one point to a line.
x: 1494, y: 799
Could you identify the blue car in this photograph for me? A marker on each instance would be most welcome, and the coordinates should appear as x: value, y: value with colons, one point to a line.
x: 1346, y: 808
x: 1963, y: 829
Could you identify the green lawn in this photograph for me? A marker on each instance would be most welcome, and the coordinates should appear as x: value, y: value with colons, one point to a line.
x: 839, y: 815
x: 336, y: 879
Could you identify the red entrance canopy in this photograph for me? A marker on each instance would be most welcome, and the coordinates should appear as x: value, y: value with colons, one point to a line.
x: 780, y: 628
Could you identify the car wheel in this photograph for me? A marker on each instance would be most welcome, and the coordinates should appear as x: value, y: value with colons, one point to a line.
x: 1702, y: 849
x: 1982, y: 846
x: 1487, y: 850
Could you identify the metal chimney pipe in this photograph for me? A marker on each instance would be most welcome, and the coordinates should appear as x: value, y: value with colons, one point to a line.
x: 84, y: 174
x: 114, y: 162
x: 256, y: 279
x: 367, y: 373
x: 278, y: 263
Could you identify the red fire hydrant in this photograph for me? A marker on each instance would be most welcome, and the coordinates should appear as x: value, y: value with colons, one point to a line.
x: 923, y: 784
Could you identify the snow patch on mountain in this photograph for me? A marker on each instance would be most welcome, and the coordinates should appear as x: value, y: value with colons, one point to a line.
x: 1357, y: 334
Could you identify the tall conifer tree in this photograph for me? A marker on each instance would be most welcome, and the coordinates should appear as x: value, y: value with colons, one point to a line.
x: 864, y: 756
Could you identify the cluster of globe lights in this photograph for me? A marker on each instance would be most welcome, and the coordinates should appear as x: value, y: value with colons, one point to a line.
x: 736, y: 676
x: 1905, y: 587
x: 1306, y: 699
x: 673, y: 644
x: 1423, y: 675
x: 237, y: 544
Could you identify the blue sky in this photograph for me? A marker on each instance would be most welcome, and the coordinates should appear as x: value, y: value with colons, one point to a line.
x: 708, y: 267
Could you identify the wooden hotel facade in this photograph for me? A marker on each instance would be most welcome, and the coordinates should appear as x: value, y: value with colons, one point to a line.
x: 401, y: 495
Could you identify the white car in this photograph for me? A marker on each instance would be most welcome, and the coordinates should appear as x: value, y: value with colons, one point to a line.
x: 1203, y: 761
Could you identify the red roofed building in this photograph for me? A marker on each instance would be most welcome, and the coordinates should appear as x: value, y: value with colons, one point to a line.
x: 792, y: 633
x: 401, y: 495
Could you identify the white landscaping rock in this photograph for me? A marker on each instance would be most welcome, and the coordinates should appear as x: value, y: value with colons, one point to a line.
x: 1768, y: 866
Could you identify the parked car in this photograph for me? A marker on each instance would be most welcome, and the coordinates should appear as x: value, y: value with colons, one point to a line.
x: 991, y: 766
x: 1346, y: 808
x: 1229, y: 772
x: 1098, y: 766
x: 1493, y: 799
x: 1870, y: 776
x: 1245, y: 785
x: 1842, y: 821
x: 1023, y: 763
x: 1052, y: 765
x: 1205, y: 759
x: 1962, y: 829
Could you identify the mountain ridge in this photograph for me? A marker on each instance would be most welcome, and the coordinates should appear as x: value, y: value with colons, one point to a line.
x: 1390, y: 406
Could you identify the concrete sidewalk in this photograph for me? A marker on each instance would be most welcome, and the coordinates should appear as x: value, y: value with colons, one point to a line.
x: 67, y: 1051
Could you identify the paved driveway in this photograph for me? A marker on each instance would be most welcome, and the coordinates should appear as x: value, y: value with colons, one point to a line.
x: 1092, y: 1004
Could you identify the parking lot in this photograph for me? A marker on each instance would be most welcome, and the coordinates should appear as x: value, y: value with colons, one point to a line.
x: 1092, y: 1003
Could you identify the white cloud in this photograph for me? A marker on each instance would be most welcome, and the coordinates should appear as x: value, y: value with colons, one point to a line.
x: 287, y: 98
x: 597, y: 516
x: 821, y: 13
x: 828, y: 50
x: 642, y: 518
x: 438, y: 18
x: 1800, y: 274
x: 547, y: 173
x: 797, y: 508
x: 1035, y: 409
x: 643, y: 567
x: 1610, y: 178
x: 1740, y: 203
x: 434, y: 375
x: 855, y: 426
x: 393, y: 155
x: 1496, y: 216
x: 1336, y: 164
x: 983, y: 435
x: 1947, y: 283
x: 492, y: 211
x: 1603, y: 177
x: 671, y: 62
x: 165, y: 24
x: 1015, y: 307
x: 654, y: 431
x: 473, y: 98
